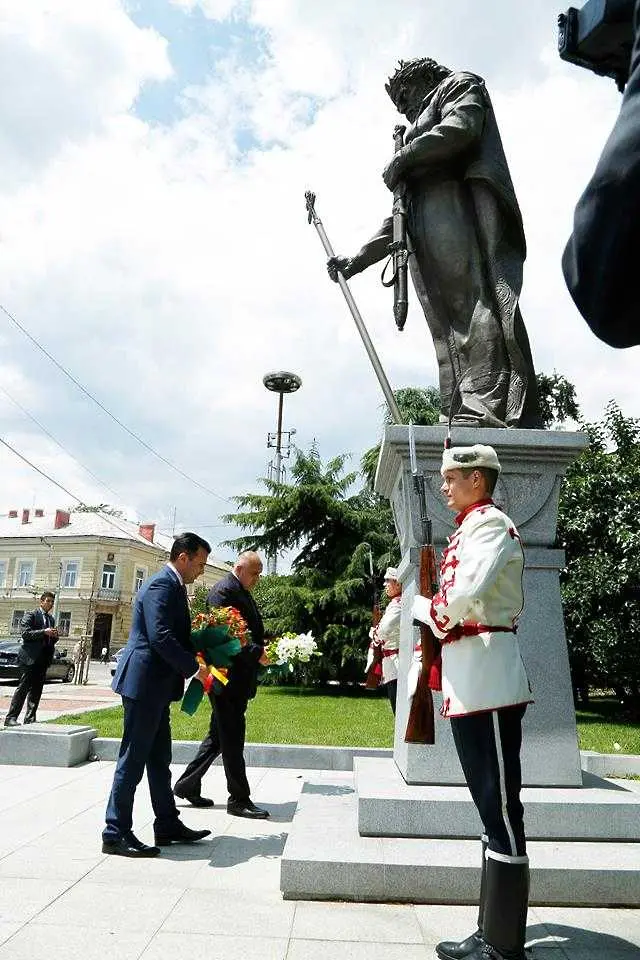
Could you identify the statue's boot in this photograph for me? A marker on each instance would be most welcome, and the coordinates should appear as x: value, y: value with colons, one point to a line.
x: 505, y: 912
x: 452, y: 950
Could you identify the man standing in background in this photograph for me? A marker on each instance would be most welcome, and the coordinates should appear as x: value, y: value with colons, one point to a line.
x: 39, y: 636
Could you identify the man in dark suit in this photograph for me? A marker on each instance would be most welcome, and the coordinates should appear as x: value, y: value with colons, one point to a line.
x: 229, y: 703
x: 150, y: 674
x: 39, y: 636
x: 601, y: 257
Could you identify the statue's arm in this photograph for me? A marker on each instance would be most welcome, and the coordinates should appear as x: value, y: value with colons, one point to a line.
x: 374, y: 250
x: 462, y: 116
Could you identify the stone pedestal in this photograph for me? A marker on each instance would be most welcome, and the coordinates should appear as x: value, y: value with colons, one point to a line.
x: 533, y: 463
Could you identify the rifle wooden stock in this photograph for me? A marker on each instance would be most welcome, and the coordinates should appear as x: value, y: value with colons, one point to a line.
x: 421, y: 722
x: 373, y: 676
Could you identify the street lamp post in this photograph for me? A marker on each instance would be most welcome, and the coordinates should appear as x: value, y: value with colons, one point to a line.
x: 279, y: 382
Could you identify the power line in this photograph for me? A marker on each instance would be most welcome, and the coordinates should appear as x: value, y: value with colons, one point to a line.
x: 115, y: 419
x: 56, y: 483
x: 57, y: 442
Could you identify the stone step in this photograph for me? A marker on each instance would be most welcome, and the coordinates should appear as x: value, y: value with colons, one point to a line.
x: 389, y: 807
x: 45, y: 745
x: 326, y: 859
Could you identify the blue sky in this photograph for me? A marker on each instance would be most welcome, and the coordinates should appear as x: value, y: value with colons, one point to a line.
x: 196, y: 44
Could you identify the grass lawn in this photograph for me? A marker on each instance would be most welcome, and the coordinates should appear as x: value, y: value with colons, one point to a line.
x: 280, y: 715
x: 355, y: 718
x: 603, y: 728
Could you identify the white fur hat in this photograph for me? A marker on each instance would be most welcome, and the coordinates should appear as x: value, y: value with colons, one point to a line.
x: 463, y: 458
x: 391, y: 573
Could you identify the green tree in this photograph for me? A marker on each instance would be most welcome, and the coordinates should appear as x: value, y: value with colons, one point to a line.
x: 332, y: 530
x: 419, y: 405
x: 558, y: 401
x: 598, y: 527
x: 199, y: 599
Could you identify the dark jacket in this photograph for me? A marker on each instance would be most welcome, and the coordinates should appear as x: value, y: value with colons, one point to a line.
x: 243, y: 673
x: 600, y: 261
x: 36, y: 645
x: 158, y: 655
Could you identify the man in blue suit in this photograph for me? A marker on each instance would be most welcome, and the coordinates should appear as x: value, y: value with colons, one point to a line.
x: 150, y: 674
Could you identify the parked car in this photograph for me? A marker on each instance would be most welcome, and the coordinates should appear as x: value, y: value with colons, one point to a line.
x: 113, y: 662
x: 61, y: 667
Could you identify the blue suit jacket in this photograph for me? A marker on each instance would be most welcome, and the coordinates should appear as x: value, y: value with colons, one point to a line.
x: 158, y: 655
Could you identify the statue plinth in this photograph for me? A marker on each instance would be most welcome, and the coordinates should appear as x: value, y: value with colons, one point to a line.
x: 533, y: 464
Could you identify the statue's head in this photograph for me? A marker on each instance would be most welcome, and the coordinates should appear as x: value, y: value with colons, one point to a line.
x: 411, y: 83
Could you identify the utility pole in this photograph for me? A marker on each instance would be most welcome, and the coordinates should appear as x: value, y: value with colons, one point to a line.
x: 280, y: 382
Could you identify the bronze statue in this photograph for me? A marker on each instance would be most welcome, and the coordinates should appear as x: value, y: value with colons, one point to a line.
x: 466, y: 244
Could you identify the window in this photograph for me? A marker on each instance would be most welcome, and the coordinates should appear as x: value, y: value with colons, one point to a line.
x: 71, y: 569
x: 64, y: 624
x: 3, y: 573
x: 108, y: 576
x: 16, y: 620
x: 139, y: 579
x: 25, y: 573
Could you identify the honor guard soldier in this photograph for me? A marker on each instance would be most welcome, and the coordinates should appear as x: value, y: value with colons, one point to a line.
x: 386, y: 636
x: 485, y: 690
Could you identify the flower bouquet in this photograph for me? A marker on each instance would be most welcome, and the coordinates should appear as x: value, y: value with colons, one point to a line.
x: 289, y: 652
x: 216, y: 637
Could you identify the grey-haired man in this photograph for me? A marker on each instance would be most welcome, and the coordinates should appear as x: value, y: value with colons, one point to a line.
x: 485, y: 690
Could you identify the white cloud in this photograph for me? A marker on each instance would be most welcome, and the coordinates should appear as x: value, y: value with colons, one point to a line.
x: 169, y: 270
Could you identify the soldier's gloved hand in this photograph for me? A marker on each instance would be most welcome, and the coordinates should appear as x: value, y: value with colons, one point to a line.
x: 337, y: 265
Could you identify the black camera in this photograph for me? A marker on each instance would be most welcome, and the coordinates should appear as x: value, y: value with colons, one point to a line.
x: 599, y: 36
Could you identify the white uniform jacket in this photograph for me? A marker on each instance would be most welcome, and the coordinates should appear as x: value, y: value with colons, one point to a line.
x: 387, y: 635
x: 475, y: 611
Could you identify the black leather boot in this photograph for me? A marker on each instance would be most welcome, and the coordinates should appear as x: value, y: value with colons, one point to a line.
x: 505, y: 914
x: 453, y: 950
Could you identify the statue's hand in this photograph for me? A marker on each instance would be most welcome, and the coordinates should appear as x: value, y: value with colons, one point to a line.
x: 337, y: 265
x: 392, y: 173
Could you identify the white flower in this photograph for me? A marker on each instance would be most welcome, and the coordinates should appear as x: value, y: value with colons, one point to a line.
x: 296, y: 649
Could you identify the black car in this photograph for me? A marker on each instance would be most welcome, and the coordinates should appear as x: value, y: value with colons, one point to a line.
x: 61, y: 667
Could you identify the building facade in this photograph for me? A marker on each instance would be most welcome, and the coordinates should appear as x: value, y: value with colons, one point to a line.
x: 94, y: 563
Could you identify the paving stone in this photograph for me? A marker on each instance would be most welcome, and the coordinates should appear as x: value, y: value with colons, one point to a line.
x: 369, y: 922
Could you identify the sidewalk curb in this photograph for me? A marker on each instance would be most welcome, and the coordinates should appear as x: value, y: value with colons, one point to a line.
x: 296, y: 756
x: 70, y: 745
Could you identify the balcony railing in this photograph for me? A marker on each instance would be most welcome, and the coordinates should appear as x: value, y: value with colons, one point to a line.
x: 108, y: 593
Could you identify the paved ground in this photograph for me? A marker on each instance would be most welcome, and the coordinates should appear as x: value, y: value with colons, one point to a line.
x: 58, y: 697
x: 61, y: 899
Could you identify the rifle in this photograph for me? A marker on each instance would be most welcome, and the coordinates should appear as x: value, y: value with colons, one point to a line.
x: 398, y: 246
x: 421, y: 725
x: 374, y: 673
x: 373, y: 676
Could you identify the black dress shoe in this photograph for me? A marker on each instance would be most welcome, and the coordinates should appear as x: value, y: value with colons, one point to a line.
x: 10, y: 722
x: 454, y: 950
x: 29, y: 720
x: 196, y: 800
x: 129, y: 847
x: 245, y: 808
x: 179, y: 834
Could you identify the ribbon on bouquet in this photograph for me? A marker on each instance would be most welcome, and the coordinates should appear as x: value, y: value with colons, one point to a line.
x: 196, y: 690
